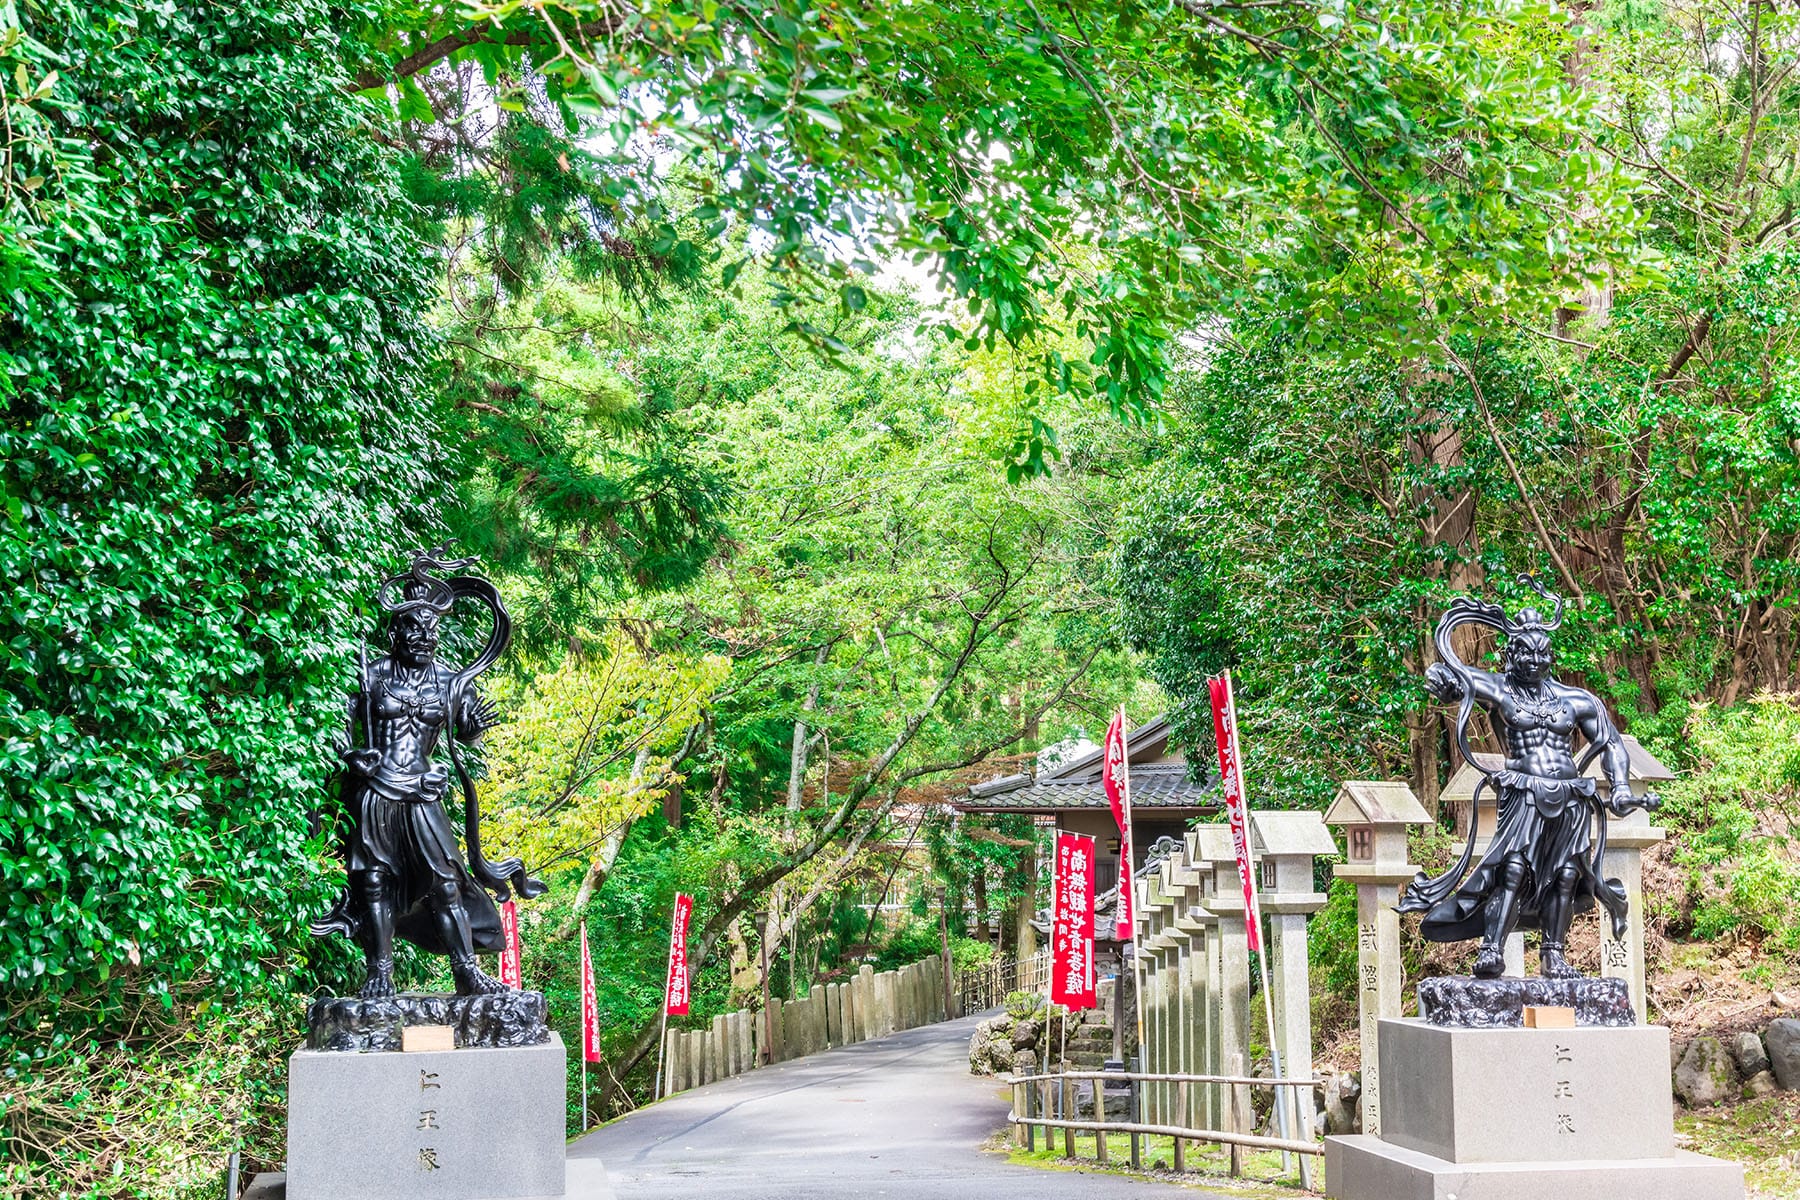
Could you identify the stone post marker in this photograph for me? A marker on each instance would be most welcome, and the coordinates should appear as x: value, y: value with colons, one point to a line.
x: 1375, y: 816
x: 1207, y: 971
x: 1233, y: 993
x: 1286, y: 844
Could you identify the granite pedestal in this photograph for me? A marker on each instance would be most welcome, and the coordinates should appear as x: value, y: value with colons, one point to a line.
x: 465, y: 1124
x: 1521, y: 1114
x: 584, y: 1179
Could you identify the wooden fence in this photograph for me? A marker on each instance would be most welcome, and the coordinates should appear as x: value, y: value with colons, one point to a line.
x: 871, y: 1004
x: 1050, y: 1102
x: 987, y: 986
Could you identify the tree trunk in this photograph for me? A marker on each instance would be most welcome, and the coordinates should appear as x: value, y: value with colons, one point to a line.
x: 1025, y: 935
x: 1449, y: 522
x: 802, y: 734
x: 981, y: 905
x: 607, y: 853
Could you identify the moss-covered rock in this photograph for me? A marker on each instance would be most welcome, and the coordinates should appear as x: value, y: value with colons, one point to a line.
x: 1706, y: 1074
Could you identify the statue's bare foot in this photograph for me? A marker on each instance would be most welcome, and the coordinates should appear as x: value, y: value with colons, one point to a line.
x: 1552, y: 964
x: 380, y: 984
x: 1490, y: 963
x: 472, y: 981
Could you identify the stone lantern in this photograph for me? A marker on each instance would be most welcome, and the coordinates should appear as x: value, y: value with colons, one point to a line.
x: 1375, y: 816
x: 1627, y: 838
x: 1183, y: 881
x: 1208, y: 969
x: 1181, y: 945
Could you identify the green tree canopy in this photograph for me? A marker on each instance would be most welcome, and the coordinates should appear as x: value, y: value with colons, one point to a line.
x: 1386, y: 172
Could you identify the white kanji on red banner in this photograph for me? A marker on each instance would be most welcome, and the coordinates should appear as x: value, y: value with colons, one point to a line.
x: 1115, y: 777
x: 590, y: 1005
x: 510, y: 973
x: 1072, y: 923
x: 675, y: 990
x: 1231, y: 778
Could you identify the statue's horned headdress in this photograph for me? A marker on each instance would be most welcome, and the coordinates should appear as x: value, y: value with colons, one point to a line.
x: 1467, y: 610
x: 417, y: 589
x: 1530, y: 620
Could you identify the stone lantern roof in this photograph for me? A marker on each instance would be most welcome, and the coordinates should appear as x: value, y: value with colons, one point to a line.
x: 1376, y: 802
x: 1298, y: 832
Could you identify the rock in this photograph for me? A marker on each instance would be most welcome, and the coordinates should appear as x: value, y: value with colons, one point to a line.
x: 1752, y: 1059
x: 1677, y: 1052
x: 1118, y: 1100
x: 502, y: 1019
x: 990, y: 1049
x: 1025, y: 1034
x: 1706, y: 1074
x: 1342, y: 1112
x: 1760, y: 1084
x: 1464, y: 1002
x: 1024, y: 1062
x: 1782, y: 1037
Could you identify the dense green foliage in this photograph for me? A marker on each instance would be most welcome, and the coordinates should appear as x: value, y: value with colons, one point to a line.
x: 1114, y: 173
x: 1735, y: 810
x: 216, y: 428
x: 1637, y: 450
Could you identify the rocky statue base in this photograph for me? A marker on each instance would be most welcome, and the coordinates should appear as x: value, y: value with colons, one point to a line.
x: 470, y: 1124
x: 1524, y: 1114
x: 1465, y: 1002
x: 493, y: 1022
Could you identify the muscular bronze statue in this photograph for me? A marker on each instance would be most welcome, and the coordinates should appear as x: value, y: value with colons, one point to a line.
x: 405, y: 874
x: 1543, y: 865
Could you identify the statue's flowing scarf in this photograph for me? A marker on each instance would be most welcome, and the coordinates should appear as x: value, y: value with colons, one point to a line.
x: 419, y: 589
x: 1424, y: 893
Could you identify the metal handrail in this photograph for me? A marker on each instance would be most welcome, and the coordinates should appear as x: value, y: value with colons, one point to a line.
x: 1154, y: 1077
x: 1027, y: 1121
x: 1223, y: 1136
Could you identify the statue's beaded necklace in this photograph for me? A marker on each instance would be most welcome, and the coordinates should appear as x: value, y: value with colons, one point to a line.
x: 1545, y: 707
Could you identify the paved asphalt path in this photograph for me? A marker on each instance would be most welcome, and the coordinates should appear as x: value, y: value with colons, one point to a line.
x: 898, y: 1117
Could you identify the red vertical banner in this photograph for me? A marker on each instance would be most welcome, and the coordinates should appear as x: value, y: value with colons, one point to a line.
x: 510, y: 974
x: 1115, y: 777
x: 1072, y: 923
x: 1231, y: 778
x: 590, y: 1005
x: 675, y: 989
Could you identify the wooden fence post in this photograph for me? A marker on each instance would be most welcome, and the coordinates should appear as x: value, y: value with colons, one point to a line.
x: 1019, y: 1129
x: 1181, y: 1106
x: 1101, y: 1152
x: 1062, y: 1096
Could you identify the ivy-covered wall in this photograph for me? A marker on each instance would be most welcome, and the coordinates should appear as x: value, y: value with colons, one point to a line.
x: 214, y: 422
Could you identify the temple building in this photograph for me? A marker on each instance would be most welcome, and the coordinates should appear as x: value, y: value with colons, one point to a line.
x: 1071, y: 798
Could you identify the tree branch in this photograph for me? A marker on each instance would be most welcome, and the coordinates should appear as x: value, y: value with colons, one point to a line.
x: 432, y: 53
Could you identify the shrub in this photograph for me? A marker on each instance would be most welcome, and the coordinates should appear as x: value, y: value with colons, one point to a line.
x: 1732, y: 812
